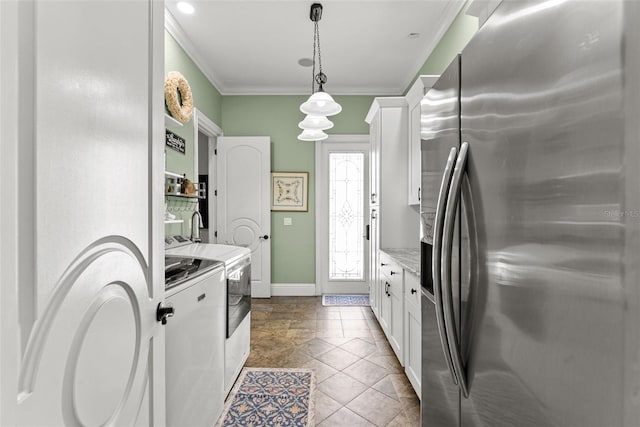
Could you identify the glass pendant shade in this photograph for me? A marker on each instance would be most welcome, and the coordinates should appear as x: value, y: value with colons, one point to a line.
x: 321, y: 104
x: 315, y: 122
x: 312, y: 135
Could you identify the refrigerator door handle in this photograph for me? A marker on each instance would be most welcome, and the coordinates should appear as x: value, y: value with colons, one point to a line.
x: 437, y: 259
x: 447, y: 287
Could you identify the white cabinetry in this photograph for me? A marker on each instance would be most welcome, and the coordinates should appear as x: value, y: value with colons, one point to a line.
x: 413, y: 98
x: 374, y: 254
x: 392, y: 222
x: 412, y: 330
x: 392, y: 303
x: 399, y: 224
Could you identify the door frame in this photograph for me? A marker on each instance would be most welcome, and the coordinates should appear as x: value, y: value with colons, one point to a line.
x: 202, y: 123
x: 322, y: 198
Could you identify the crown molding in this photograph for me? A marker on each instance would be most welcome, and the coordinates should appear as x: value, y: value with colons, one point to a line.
x: 176, y: 31
x: 482, y: 9
x: 367, y: 91
x: 172, y: 26
x: 423, y: 83
x: 385, y: 102
x: 448, y: 16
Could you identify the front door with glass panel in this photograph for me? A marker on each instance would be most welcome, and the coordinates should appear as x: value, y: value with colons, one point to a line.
x: 342, y: 252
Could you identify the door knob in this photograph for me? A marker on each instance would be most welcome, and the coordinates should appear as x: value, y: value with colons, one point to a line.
x: 265, y: 237
x: 163, y: 313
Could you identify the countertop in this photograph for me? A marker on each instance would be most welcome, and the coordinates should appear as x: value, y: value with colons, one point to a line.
x: 225, y: 253
x: 408, y: 258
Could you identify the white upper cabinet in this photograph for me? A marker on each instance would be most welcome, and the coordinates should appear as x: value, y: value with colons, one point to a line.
x: 414, y: 96
x: 399, y: 224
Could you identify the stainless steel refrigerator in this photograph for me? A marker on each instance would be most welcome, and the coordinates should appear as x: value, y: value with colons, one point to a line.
x: 530, y: 221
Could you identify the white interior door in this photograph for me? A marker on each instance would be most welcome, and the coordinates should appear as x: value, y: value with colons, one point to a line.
x: 244, y: 210
x: 82, y: 213
x: 342, y: 189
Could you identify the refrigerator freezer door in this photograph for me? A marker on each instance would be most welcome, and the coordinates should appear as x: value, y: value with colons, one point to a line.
x: 543, y: 99
x: 440, y: 404
x: 440, y: 132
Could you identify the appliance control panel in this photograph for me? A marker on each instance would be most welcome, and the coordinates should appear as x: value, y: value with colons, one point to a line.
x: 171, y: 242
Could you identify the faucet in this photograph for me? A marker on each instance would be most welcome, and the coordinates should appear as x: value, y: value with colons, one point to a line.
x: 195, y: 227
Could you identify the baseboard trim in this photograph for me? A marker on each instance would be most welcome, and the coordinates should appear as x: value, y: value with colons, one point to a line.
x: 293, y: 289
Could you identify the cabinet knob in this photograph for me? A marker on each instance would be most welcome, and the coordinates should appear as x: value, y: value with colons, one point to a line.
x: 413, y: 291
x: 382, y: 264
x: 394, y: 272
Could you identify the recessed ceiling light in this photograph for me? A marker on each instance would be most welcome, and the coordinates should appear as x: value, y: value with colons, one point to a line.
x: 305, y: 62
x: 413, y: 35
x: 185, y: 7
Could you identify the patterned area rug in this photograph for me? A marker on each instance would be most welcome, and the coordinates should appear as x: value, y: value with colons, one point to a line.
x: 345, y: 300
x: 271, y: 397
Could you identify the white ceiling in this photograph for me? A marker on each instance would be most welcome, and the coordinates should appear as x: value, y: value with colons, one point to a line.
x: 253, y: 46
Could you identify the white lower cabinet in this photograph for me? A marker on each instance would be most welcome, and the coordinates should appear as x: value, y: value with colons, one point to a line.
x: 412, y: 331
x: 396, y: 335
x: 399, y: 315
x: 385, y: 307
x: 392, y: 303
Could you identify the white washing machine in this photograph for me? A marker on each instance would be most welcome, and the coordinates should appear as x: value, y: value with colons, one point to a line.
x: 237, y: 265
x: 194, y: 345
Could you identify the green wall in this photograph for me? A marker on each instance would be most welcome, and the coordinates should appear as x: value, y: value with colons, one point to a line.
x: 452, y: 43
x: 293, y: 248
x: 206, y: 98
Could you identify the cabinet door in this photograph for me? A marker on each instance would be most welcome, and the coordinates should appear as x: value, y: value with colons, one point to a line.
x: 412, y: 344
x: 414, y: 156
x: 374, y: 274
x: 385, y: 307
x: 374, y: 160
x: 396, y: 324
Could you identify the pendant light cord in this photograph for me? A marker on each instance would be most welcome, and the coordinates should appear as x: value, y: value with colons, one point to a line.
x: 313, y: 71
x: 317, y: 37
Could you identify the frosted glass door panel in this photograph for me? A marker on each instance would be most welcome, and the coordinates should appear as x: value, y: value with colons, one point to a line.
x: 346, y: 216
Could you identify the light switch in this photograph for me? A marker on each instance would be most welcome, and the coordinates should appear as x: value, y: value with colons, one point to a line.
x: 288, y: 221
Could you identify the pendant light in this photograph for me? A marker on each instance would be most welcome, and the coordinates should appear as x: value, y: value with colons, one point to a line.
x: 312, y: 135
x: 312, y: 122
x: 320, y: 104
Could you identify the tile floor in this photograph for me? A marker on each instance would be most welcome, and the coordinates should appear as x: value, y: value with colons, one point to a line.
x: 359, y: 379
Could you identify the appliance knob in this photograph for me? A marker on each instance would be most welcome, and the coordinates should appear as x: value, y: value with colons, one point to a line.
x: 163, y: 313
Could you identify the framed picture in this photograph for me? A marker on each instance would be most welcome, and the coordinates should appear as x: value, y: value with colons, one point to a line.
x: 290, y: 191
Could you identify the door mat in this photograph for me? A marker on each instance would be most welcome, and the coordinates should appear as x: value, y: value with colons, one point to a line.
x: 362, y: 300
x: 271, y: 397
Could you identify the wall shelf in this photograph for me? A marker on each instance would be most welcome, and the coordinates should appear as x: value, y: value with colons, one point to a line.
x: 183, y: 196
x: 174, y: 187
x: 174, y: 221
x: 170, y: 121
